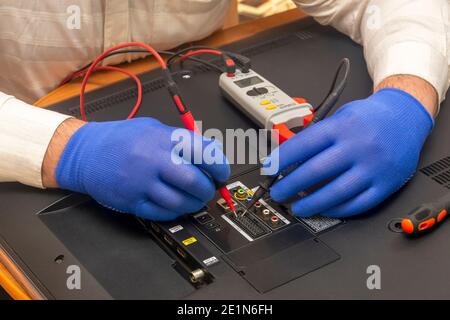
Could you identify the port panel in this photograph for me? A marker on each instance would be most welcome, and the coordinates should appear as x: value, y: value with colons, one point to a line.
x: 265, y: 209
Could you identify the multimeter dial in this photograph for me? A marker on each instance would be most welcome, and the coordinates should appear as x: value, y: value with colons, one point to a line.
x: 257, y: 91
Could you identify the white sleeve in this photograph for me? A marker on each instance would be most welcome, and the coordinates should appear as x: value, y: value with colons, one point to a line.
x: 399, y: 36
x: 25, y: 133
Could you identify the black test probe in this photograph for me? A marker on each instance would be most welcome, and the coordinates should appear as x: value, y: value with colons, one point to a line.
x: 320, y: 113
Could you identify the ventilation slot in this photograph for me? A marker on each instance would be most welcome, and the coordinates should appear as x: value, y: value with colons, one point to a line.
x: 305, y: 35
x: 117, y: 98
x: 439, y: 171
x: 267, y: 46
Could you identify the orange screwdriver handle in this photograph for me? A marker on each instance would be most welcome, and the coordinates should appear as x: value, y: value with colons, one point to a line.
x: 423, y: 218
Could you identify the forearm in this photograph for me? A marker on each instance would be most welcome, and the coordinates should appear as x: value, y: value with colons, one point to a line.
x: 55, y: 149
x: 422, y: 90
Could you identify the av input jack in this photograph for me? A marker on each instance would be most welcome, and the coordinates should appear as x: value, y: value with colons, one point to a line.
x: 258, y: 204
x: 266, y: 212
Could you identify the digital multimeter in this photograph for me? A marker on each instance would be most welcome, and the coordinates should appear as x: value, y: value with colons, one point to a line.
x: 262, y: 101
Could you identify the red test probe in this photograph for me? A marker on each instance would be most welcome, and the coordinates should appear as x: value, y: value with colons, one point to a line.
x: 189, y: 122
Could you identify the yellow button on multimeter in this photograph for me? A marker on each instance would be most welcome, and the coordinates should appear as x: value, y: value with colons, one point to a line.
x: 271, y: 107
x: 265, y: 102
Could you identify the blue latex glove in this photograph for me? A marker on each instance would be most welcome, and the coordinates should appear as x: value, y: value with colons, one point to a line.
x: 367, y: 150
x: 127, y: 166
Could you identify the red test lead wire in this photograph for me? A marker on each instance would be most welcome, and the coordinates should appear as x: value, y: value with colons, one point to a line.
x: 200, y: 51
x: 185, y: 114
x: 229, y: 63
x: 103, y: 55
x: 112, y: 68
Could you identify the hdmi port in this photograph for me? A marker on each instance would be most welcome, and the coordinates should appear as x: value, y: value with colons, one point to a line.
x: 168, y: 240
x: 181, y: 253
x: 154, y: 227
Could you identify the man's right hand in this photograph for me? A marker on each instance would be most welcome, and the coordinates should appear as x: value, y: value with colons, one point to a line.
x: 131, y: 166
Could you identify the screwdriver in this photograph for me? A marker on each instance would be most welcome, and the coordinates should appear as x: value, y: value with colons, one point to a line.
x: 426, y: 216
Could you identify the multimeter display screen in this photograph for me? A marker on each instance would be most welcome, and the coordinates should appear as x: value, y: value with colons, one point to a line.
x: 248, y: 82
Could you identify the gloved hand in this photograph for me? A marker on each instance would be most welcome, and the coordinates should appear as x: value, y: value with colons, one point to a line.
x: 132, y: 166
x: 364, y: 152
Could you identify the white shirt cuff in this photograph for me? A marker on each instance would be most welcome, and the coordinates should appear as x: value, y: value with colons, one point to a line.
x: 25, y: 133
x: 413, y: 58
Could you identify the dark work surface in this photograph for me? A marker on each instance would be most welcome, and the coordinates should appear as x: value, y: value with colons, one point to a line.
x: 119, y: 260
x: 4, y: 295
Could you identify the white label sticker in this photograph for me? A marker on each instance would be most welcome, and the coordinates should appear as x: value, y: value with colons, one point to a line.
x: 319, y: 223
x: 176, y: 229
x: 210, y: 261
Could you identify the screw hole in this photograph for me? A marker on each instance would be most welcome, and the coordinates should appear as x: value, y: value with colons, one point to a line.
x: 186, y: 74
x: 395, y: 225
x: 59, y: 259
